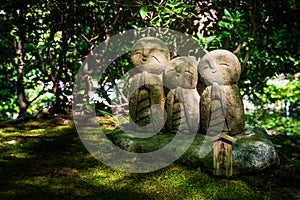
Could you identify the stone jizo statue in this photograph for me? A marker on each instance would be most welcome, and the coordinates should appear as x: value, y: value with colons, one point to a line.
x: 221, y: 104
x: 149, y: 55
x: 182, y: 103
x: 174, y: 97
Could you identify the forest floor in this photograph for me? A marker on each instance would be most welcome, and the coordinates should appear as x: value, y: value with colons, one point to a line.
x: 45, y: 159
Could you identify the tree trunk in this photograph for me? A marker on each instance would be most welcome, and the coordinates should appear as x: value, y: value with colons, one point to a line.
x: 60, y: 100
x: 22, y: 99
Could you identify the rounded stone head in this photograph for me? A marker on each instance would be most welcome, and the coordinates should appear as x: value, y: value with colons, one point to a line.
x: 149, y: 51
x: 181, y: 72
x: 220, y: 66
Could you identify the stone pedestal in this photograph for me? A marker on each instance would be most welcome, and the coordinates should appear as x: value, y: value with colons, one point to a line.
x: 253, y: 151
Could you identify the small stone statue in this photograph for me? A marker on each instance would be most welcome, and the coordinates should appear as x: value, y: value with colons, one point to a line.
x: 221, y: 104
x: 182, y: 103
x: 149, y: 55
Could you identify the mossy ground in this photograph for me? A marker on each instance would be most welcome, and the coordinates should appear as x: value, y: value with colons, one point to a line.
x: 45, y: 159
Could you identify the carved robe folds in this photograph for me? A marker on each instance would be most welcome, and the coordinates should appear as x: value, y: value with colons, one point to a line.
x: 221, y: 104
x: 146, y: 104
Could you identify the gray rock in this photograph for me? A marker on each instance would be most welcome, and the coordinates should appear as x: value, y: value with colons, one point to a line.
x: 252, y: 152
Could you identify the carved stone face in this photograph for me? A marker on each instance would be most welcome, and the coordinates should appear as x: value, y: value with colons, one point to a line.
x: 220, y: 66
x: 149, y: 51
x: 181, y: 72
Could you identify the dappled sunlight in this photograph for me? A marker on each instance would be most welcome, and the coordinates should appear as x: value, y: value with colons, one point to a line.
x: 52, y: 163
x: 89, y: 87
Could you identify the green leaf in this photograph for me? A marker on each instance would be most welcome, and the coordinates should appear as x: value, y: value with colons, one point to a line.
x: 167, y: 11
x: 91, y: 3
x: 225, y: 24
x: 226, y: 33
x: 88, y: 107
x: 228, y: 15
x: 105, y: 113
x: 127, y: 2
x: 211, y: 38
x: 143, y: 11
x: 28, y: 46
x: 174, y: 4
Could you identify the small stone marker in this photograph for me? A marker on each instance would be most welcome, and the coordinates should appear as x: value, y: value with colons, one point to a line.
x: 222, y: 154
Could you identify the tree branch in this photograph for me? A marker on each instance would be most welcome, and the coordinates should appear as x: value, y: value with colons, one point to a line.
x: 239, y: 47
x: 117, y: 88
x: 38, y: 95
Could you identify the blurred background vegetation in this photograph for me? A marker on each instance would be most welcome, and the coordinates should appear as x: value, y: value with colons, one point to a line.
x: 44, y: 43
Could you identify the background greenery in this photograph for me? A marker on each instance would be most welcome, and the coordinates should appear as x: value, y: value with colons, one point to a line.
x: 44, y: 43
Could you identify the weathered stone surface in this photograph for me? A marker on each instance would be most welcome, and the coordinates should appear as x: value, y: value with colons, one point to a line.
x: 220, y: 66
x: 252, y: 152
x: 181, y: 72
x: 149, y: 52
x: 182, y: 103
x: 221, y: 103
x: 146, y: 102
x: 232, y: 108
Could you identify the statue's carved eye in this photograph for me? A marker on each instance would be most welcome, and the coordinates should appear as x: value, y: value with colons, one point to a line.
x: 155, y: 58
x: 188, y: 73
x: 137, y: 53
x: 205, y: 65
x: 225, y: 65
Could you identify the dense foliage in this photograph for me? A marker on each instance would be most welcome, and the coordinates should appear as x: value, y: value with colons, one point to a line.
x: 44, y: 43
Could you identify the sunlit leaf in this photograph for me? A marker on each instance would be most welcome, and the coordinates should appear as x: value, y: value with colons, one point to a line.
x: 228, y: 15
x: 226, y: 33
x: 224, y: 24
x: 143, y: 11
